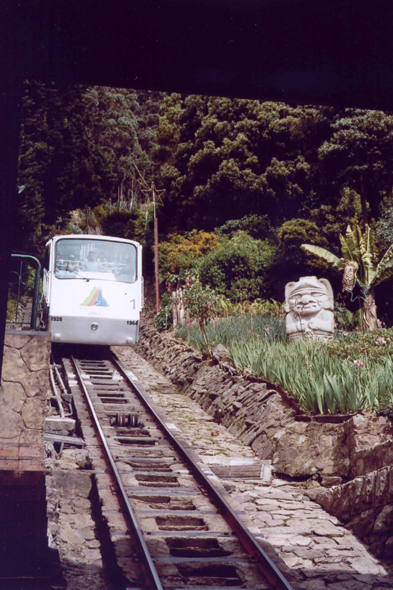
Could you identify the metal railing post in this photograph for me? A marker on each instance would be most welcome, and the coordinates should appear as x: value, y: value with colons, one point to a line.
x: 36, y: 292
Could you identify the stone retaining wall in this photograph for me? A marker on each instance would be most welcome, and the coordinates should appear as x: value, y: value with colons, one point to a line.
x: 357, y: 448
x: 365, y: 504
x: 263, y: 416
x: 23, y: 393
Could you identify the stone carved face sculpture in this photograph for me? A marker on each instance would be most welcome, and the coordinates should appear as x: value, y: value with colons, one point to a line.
x: 309, y: 306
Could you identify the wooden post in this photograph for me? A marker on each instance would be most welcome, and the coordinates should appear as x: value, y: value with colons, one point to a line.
x: 156, y: 264
x: 152, y: 189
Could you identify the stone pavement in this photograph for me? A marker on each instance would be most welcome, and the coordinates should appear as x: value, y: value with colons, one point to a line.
x: 317, y: 549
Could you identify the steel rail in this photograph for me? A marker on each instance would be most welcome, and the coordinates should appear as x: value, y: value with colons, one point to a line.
x: 255, y: 551
x: 147, y: 564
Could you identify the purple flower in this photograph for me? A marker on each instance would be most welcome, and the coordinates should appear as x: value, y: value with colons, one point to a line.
x: 358, y: 364
x: 381, y: 340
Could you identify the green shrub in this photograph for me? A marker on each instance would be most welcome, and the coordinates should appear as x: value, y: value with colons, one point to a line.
x: 292, y: 235
x: 256, y: 226
x: 179, y: 253
x: 240, y: 269
x: 11, y: 307
x: 344, y: 318
x: 163, y: 320
x: 374, y: 345
x: 120, y: 224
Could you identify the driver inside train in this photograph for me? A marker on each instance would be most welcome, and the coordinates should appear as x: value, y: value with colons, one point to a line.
x: 100, y: 259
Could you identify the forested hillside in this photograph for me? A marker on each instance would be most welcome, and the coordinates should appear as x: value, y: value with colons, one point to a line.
x: 244, y: 183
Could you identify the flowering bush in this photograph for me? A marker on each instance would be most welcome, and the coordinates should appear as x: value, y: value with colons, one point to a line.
x: 201, y: 303
x: 179, y: 253
x: 377, y: 344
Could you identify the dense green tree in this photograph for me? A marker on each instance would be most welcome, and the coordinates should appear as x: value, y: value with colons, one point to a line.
x: 225, y: 158
x: 359, y: 154
x: 256, y: 226
x: 334, y: 219
x: 120, y: 224
x: 124, y: 125
x: 59, y: 166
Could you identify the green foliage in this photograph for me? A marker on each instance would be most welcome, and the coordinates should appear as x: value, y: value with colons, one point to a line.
x: 201, y: 304
x: 240, y: 269
x: 179, y: 253
x: 11, y: 307
x: 358, y: 153
x: 163, y: 320
x: 334, y: 219
x: 374, y: 346
x: 120, y: 224
x: 59, y: 165
x: 344, y: 318
x: 322, y: 383
x: 256, y: 226
x: 235, y: 328
x: 292, y: 235
x: 351, y: 372
x: 226, y: 158
x: 360, y: 247
x: 123, y: 125
x: 257, y: 308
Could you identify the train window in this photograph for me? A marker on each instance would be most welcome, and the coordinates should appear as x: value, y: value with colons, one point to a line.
x: 101, y: 259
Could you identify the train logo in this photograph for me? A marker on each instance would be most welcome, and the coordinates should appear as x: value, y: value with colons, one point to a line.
x: 95, y: 299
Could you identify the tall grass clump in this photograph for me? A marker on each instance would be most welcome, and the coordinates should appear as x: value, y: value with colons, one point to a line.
x: 349, y: 373
x: 233, y: 329
x: 322, y: 383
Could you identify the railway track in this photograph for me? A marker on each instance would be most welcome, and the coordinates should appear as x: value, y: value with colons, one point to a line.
x: 171, y: 527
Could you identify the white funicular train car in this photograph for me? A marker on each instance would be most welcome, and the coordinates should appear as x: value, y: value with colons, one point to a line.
x: 93, y: 289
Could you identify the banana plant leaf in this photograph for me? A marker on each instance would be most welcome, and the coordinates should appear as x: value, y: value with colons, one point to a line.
x: 384, y: 269
x: 361, y: 240
x: 346, y: 252
x: 367, y: 268
x: 324, y: 254
x: 369, y: 240
x: 352, y: 240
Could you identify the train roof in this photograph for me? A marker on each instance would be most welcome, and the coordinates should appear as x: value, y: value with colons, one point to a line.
x: 91, y: 237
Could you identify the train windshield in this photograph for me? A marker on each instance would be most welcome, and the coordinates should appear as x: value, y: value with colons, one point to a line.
x: 95, y: 259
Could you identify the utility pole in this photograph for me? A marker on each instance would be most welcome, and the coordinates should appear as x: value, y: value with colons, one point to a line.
x: 155, y: 193
x: 156, y: 250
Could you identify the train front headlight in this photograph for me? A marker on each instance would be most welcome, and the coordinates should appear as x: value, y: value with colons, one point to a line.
x: 94, y: 326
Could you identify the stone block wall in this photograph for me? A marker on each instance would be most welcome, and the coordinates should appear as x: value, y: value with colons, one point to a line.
x: 23, y: 393
x: 365, y: 504
x: 353, y: 455
x: 263, y: 416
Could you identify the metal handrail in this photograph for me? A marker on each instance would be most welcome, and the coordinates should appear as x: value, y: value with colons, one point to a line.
x: 36, y: 294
